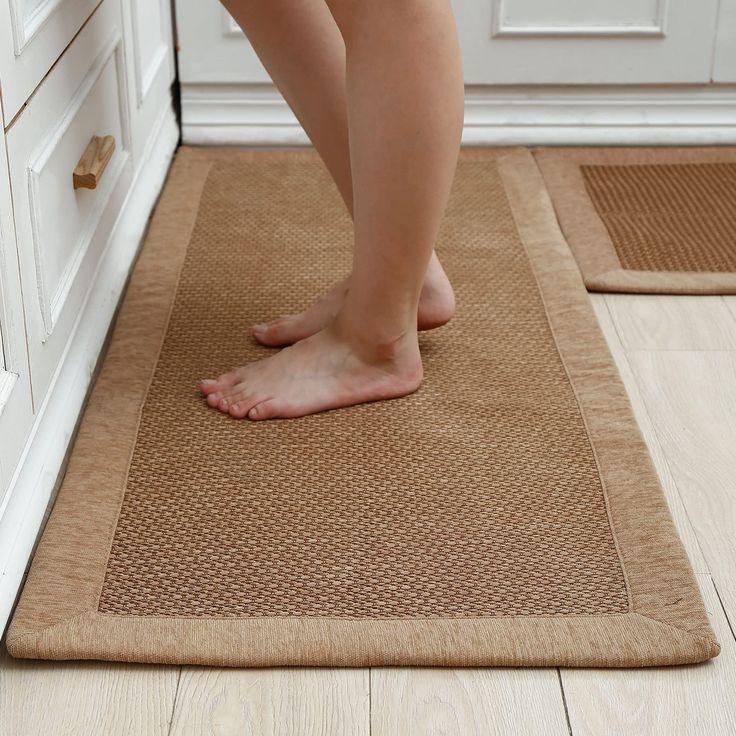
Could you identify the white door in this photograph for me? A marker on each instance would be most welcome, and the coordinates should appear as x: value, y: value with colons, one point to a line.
x: 724, y: 59
x: 149, y: 45
x: 510, y: 42
x: 212, y: 48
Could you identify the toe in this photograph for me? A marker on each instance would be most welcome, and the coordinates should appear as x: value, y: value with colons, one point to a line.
x: 240, y: 403
x: 210, y: 386
x: 275, y: 333
x: 230, y: 378
x: 239, y: 409
x: 236, y: 392
x: 213, y: 399
x: 224, y: 399
x: 268, y: 409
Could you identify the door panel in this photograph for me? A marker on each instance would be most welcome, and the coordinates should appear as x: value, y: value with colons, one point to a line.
x: 149, y: 43
x: 577, y: 17
x: 511, y: 42
x: 586, y: 41
x: 724, y: 60
x: 212, y: 47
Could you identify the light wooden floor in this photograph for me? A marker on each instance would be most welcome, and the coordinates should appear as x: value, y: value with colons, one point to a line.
x: 677, y: 356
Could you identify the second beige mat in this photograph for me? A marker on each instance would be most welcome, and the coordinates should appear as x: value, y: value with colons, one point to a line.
x: 651, y: 220
x: 507, y: 513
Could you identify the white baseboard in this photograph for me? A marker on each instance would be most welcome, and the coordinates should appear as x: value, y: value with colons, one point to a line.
x: 43, y: 456
x: 256, y: 114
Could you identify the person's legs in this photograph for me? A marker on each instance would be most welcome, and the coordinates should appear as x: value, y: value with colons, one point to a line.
x: 303, y: 50
x: 405, y: 108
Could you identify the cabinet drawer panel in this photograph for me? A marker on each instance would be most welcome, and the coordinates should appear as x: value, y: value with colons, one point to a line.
x: 62, y: 231
x: 34, y: 34
x: 64, y: 219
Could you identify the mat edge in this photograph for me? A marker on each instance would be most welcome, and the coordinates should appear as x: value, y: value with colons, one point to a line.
x: 348, y: 643
x: 524, y: 183
x: 681, y: 283
x: 589, y: 239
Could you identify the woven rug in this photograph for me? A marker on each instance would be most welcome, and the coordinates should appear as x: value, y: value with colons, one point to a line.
x: 507, y: 513
x: 651, y: 220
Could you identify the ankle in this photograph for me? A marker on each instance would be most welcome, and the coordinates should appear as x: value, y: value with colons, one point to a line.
x: 377, y: 343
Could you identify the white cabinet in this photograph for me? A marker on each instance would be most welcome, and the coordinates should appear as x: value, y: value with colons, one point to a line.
x: 16, y: 412
x: 538, y: 72
x: 72, y: 72
x: 64, y: 230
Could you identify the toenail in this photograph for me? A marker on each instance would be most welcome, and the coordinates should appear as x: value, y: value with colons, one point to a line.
x: 208, y: 380
x: 215, y: 395
x: 253, y: 412
x: 261, y: 327
x: 235, y: 406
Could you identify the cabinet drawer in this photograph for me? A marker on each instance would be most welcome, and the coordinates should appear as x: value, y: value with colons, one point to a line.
x: 33, y: 34
x: 62, y: 231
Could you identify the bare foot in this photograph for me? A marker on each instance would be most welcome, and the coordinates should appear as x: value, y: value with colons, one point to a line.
x: 436, y: 307
x: 322, y: 371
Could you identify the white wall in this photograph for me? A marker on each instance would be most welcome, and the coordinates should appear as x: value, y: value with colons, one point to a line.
x: 570, y: 71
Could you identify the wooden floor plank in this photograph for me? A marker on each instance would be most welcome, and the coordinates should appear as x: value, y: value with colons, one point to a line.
x: 694, y: 700
x: 647, y: 322
x: 466, y: 702
x: 73, y: 698
x: 270, y: 702
x: 691, y: 397
x: 611, y: 330
x: 730, y: 302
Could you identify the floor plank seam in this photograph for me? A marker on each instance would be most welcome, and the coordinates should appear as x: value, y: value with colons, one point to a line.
x: 730, y: 302
x: 370, y: 701
x: 564, y: 702
x: 723, y: 608
x: 173, y: 704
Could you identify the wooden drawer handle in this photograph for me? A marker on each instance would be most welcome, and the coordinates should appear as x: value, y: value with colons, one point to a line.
x: 91, y: 166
